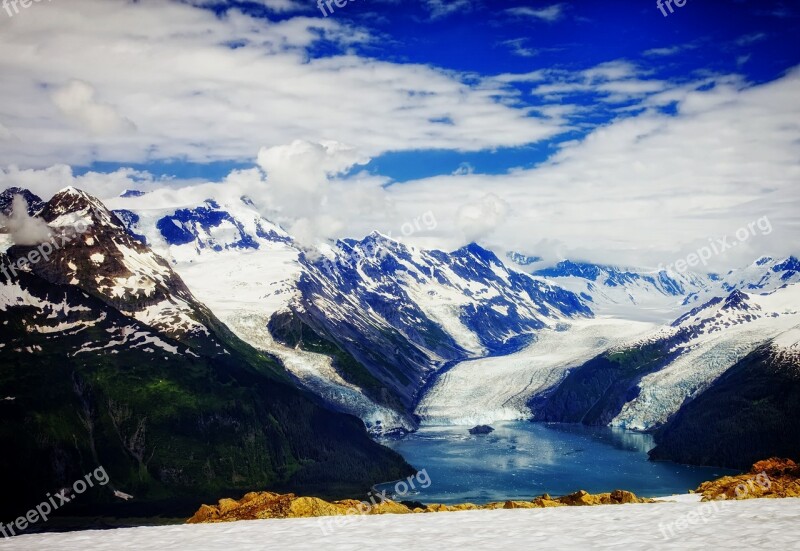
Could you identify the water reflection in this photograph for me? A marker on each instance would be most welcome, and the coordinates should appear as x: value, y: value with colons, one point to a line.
x: 619, y: 438
x: 521, y: 460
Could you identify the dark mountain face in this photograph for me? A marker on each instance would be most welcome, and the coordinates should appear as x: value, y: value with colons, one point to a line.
x: 112, y: 362
x: 595, y: 392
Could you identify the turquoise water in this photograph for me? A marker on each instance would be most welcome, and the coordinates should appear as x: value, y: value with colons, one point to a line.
x: 522, y: 460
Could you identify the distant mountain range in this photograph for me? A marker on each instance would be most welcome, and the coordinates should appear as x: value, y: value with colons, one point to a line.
x: 399, y: 336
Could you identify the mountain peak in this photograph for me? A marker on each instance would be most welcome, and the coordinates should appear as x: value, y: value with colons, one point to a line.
x: 35, y: 202
x: 476, y: 251
x: 737, y: 299
x: 76, y: 203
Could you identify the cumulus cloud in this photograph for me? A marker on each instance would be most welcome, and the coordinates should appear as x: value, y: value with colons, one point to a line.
x: 298, y: 186
x: 24, y: 229
x: 76, y: 100
x: 480, y: 218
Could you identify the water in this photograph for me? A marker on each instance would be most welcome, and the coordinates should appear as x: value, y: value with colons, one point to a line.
x: 522, y: 460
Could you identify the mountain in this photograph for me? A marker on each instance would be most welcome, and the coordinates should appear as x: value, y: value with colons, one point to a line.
x: 108, y: 359
x: 400, y: 336
x: 406, y: 314
x: 752, y: 410
x: 34, y: 202
x: 627, y: 292
x: 367, y: 324
x: 642, y: 385
x: 260, y: 280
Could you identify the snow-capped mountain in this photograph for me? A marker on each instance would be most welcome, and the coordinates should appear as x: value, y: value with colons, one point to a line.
x: 381, y: 330
x: 405, y: 313
x: 751, y: 410
x: 629, y: 293
x: 376, y: 318
x: 246, y: 269
x: 109, y: 359
x: 765, y: 274
x: 34, y: 202
x: 641, y: 385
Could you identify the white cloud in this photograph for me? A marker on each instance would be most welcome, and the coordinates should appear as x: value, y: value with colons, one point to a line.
x: 298, y: 187
x: 204, y: 88
x: 443, y: 8
x: 76, y: 101
x: 550, y: 13
x: 46, y: 182
x: 669, y: 50
x: 24, y: 229
x: 751, y: 38
x: 283, y: 6
x: 649, y: 188
x: 477, y: 220
x: 643, y: 190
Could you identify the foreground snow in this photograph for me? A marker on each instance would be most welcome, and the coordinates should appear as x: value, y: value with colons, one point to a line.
x: 754, y: 524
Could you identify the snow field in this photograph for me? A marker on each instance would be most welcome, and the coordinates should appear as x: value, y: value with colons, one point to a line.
x: 681, y: 525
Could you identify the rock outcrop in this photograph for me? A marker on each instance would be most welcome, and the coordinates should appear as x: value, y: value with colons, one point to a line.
x: 264, y: 505
x: 481, y: 429
x: 773, y: 478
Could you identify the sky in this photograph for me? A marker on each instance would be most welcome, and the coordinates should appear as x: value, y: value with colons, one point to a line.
x: 596, y: 131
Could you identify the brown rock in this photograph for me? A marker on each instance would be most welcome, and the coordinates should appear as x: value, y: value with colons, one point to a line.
x: 264, y: 505
x: 772, y: 478
x: 579, y: 498
x: 621, y: 496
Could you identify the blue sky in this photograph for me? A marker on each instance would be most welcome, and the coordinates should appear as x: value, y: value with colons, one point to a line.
x: 590, y: 130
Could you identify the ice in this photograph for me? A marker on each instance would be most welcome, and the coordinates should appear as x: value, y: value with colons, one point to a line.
x: 497, y: 388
